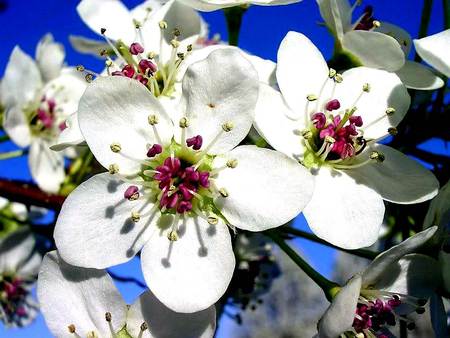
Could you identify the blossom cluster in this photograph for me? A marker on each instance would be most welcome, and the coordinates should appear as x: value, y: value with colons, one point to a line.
x: 185, y: 151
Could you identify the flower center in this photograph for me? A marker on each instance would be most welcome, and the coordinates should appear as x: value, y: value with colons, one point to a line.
x: 13, y: 298
x: 377, y: 309
x: 43, y: 118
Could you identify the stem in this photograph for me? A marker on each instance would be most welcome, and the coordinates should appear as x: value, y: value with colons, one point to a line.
x: 359, y: 252
x: 233, y: 16
x: 446, y: 5
x: 12, y: 154
x: 4, y: 138
x: 29, y: 194
x: 424, y: 22
x: 329, y: 288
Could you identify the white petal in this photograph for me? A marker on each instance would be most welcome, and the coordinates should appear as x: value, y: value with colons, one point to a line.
x: 386, y: 91
x: 266, y: 189
x: 444, y: 261
x: 70, y: 136
x: 192, y: 273
x: 19, y: 210
x: 339, y: 316
x: 115, y: 109
x: 220, y: 89
x: 49, y: 57
x: 403, y: 37
x: 417, y: 76
x: 16, y: 249
x: 382, y: 261
x: 31, y: 266
x: 265, y: 68
x: 109, y: 14
x: 16, y: 126
x: 212, y: 5
x: 398, y: 178
x: 165, y: 323
x: 439, y: 211
x: 274, y: 125
x: 87, y: 46
x: 373, y: 49
x: 21, y: 81
x: 337, y: 15
x: 46, y: 166
x: 434, y: 50
x: 70, y: 295
x: 301, y: 70
x: 140, y: 11
x: 414, y: 274
x: 106, y: 235
x: 343, y: 212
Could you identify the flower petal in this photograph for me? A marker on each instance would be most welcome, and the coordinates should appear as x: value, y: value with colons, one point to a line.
x: 374, y: 49
x: 439, y: 210
x: 115, y: 109
x: 299, y: 59
x: 417, y: 76
x: 16, y: 126
x: 21, y: 81
x: 87, y: 46
x: 109, y: 14
x: 386, y: 91
x: 192, y: 273
x: 398, y: 178
x: 339, y: 316
x: 343, y: 212
x: 165, y: 323
x: 266, y: 69
x: 212, y: 5
x: 274, y: 125
x: 49, y: 57
x: 377, y: 267
x: 220, y: 89
x: 70, y: 295
x: 106, y: 235
x: 337, y: 15
x: 403, y: 37
x: 16, y: 249
x: 46, y: 166
x: 266, y: 189
x: 435, y: 49
x: 70, y: 136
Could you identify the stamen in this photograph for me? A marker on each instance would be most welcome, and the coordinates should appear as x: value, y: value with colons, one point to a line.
x: 135, y: 216
x: 132, y: 193
x: 115, y: 147
x: 113, y: 47
x: 113, y: 169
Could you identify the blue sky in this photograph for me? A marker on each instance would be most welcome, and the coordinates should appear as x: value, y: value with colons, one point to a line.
x: 24, y: 22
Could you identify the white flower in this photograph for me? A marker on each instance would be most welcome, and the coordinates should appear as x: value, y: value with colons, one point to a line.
x: 435, y: 49
x: 394, y: 285
x: 19, y: 264
x: 439, y: 214
x: 182, y: 180
x: 38, y: 96
x: 149, y: 44
x: 78, y: 302
x: 212, y: 5
x: 331, y: 123
x: 376, y: 44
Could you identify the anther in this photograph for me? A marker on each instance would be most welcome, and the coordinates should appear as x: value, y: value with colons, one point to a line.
x: 175, y: 43
x: 172, y: 236
x: 115, y: 147
x: 153, y: 119
x: 366, y: 87
x: 376, y: 23
x: 329, y: 139
x: 332, y: 73
x: 89, y: 77
x: 232, y: 163
x: 154, y: 150
x: 151, y: 55
x: 163, y: 25
x: 144, y: 326
x: 176, y: 32
x: 213, y: 220
x: 184, y: 122
x: 180, y: 56
x: 393, y: 131
x: 132, y: 193
x: 135, y: 216
x: 307, y: 134
x: 311, y: 97
x: 80, y: 68
x: 228, y: 126
x: 113, y: 169
x: 71, y: 328
x: 376, y: 155
x: 390, y: 111
x: 108, y: 317
x: 189, y: 48
x: 223, y: 192
x: 338, y: 78
x: 102, y: 30
x: 108, y: 63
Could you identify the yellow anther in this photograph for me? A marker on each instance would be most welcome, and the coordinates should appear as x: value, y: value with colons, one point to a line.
x: 376, y: 155
x: 113, y: 169
x: 390, y: 111
x: 307, y: 134
x: 311, y: 97
x: 176, y: 32
x: 338, y: 78
x: 151, y: 55
x: 173, y: 236
x: 331, y: 73
x: 366, y: 87
x: 189, y: 48
x: 115, y: 147
x: 80, y: 68
x: 108, y: 316
x: 144, y: 326
x: 89, y: 77
x: 376, y: 23
x: 175, y: 43
x: 153, y: 119
x: 213, y: 220
x: 184, y: 122
x: 223, y: 192
x: 108, y: 63
x: 71, y: 328
x: 228, y: 126
x: 135, y: 216
x: 163, y: 25
x: 393, y: 131
x: 329, y: 139
x: 232, y: 163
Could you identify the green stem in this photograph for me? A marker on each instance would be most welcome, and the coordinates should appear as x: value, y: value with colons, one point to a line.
x: 424, y: 22
x: 234, y: 16
x: 12, y: 154
x: 4, y: 138
x: 359, y: 252
x: 329, y: 288
x: 84, y: 167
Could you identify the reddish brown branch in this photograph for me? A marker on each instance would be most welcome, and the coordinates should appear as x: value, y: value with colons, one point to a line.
x: 29, y: 194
